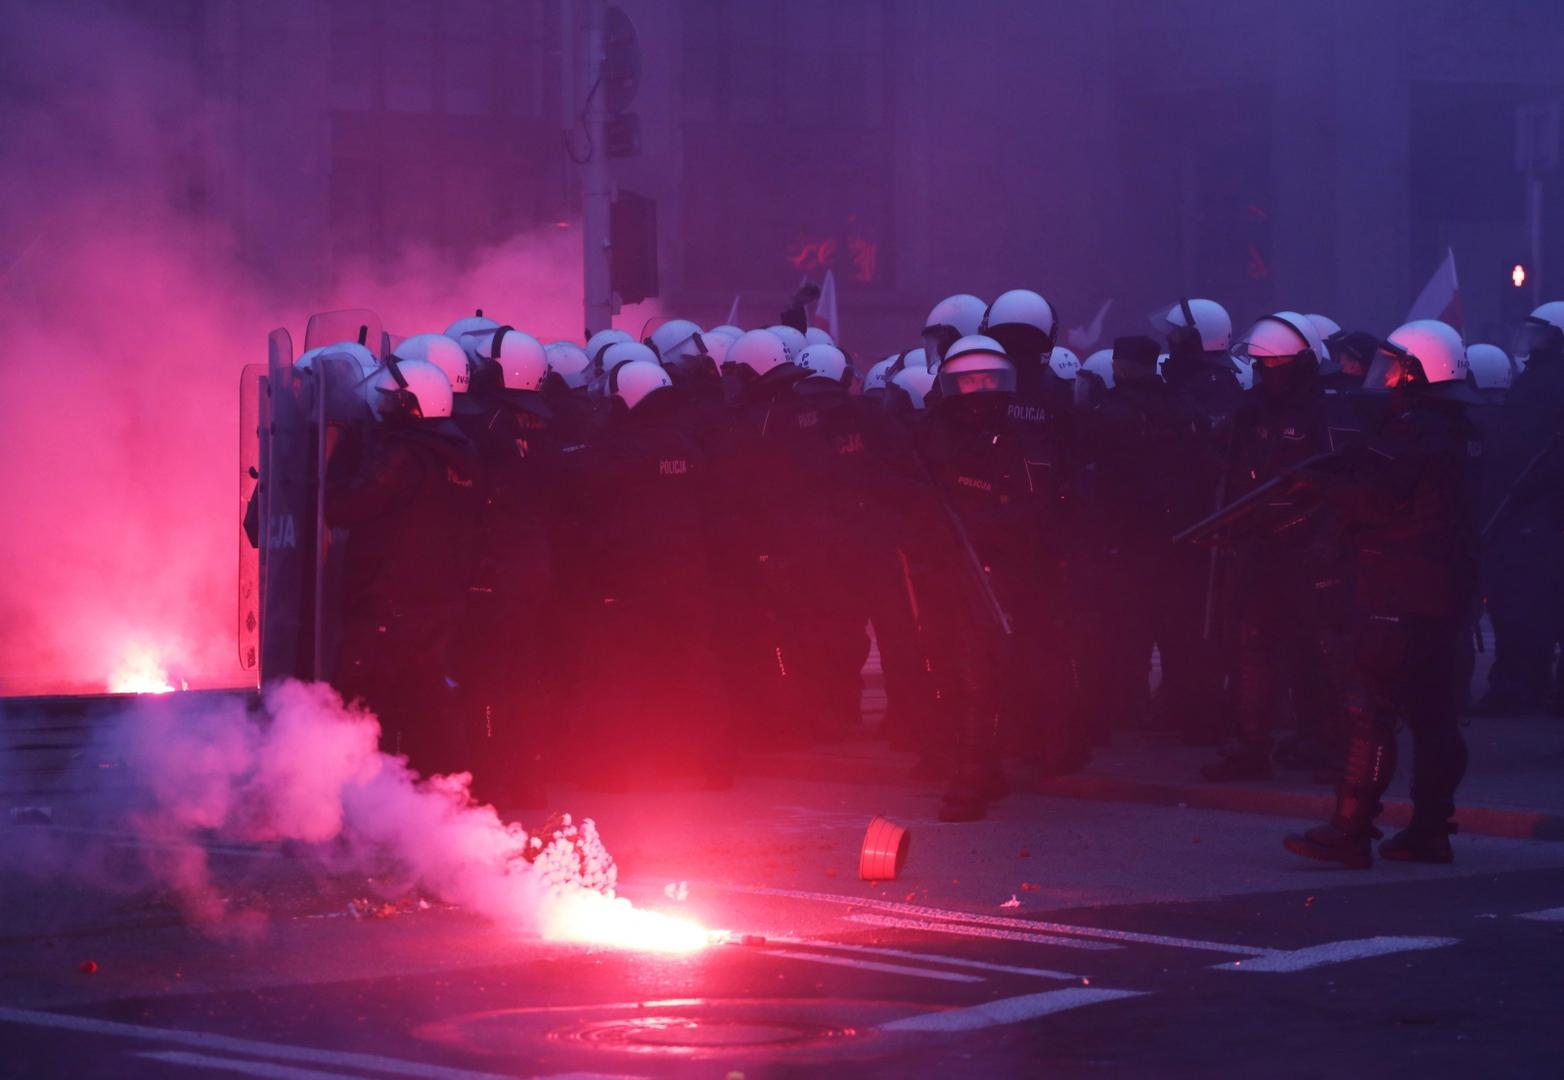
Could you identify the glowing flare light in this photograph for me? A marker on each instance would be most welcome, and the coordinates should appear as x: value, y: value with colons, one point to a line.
x: 140, y: 672
x: 590, y: 918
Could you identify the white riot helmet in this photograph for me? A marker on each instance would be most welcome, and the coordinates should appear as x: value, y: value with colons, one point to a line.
x: 1213, y: 327
x: 976, y: 364
x: 1490, y: 366
x: 1282, y: 351
x: 521, y: 359
x: 816, y: 336
x: 718, y: 342
x: 794, y: 342
x: 1023, y: 322
x: 1324, y: 325
x: 601, y: 341
x: 916, y: 383
x: 1064, y: 363
x: 1328, y: 329
x: 759, y: 351
x: 1541, y: 331
x: 953, y: 318
x: 633, y: 381
x: 823, y: 361
x: 1100, y: 364
x: 878, y: 376
x: 734, y: 332
x: 357, y: 355
x: 409, y: 390
x: 1280, y: 337
x: 1424, y: 353
x: 915, y: 358
x: 625, y: 352
x: 443, y: 353
x: 464, y: 331
x: 676, y: 340
x: 569, y: 361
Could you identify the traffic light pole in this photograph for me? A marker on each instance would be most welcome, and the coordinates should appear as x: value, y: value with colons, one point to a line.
x: 596, y: 185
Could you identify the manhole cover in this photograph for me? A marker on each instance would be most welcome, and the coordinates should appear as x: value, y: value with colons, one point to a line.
x: 677, y: 1032
x: 772, y: 1028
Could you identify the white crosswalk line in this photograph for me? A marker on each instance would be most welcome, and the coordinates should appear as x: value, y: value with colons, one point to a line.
x: 976, y: 930
x: 1555, y: 914
x: 873, y: 965
x: 1008, y: 1010
x: 1335, y: 952
x: 1028, y: 925
x: 933, y: 958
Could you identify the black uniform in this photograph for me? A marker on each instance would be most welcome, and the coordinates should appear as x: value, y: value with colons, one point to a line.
x: 1525, y: 555
x: 410, y: 502
x: 649, y: 694
x: 505, y: 684
x: 1409, y: 505
x: 1003, y: 478
x: 1149, y: 469
x: 1286, y: 584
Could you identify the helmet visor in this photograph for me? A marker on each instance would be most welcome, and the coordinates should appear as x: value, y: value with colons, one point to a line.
x: 1393, y: 368
x: 1260, y: 356
x: 1536, y: 335
x: 1000, y: 379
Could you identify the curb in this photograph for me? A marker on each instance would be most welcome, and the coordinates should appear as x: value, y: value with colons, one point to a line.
x: 1513, y: 823
x: 891, y: 771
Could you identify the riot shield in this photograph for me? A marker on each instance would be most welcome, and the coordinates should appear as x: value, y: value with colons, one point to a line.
x: 251, y: 382
x: 349, y: 324
x: 288, y: 512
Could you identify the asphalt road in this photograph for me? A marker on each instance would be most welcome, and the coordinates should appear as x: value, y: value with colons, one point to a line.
x: 1140, y: 942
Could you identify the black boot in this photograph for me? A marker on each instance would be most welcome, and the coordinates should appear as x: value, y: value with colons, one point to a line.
x: 1348, y: 843
x: 1422, y: 841
x: 1349, y: 835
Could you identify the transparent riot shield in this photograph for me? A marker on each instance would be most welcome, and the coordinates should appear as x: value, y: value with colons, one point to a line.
x: 288, y: 514
x: 251, y: 382
x: 350, y: 324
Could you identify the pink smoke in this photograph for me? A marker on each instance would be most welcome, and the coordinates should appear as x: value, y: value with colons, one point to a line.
x: 304, y: 770
x: 130, y: 311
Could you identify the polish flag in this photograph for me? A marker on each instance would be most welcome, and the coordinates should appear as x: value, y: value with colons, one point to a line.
x: 1441, y: 297
x: 825, y: 308
x: 1082, y: 338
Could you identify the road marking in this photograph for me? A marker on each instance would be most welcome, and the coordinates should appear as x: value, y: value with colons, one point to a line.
x: 874, y: 965
x: 933, y: 958
x: 1335, y: 952
x: 1555, y: 914
x: 1008, y: 1010
x: 228, y: 1044
x: 975, y: 930
x: 1124, y: 936
x: 268, y: 1069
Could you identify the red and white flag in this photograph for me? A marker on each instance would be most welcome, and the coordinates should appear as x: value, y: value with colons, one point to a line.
x: 1441, y: 297
x: 825, y: 308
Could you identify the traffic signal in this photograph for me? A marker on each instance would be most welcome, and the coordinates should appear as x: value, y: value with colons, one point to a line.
x: 1515, y: 295
x: 632, y: 233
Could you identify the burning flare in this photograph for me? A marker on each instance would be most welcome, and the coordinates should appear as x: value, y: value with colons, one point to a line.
x: 591, y: 918
x: 140, y: 672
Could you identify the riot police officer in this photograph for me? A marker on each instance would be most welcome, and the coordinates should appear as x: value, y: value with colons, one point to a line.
x: 1282, y: 571
x: 410, y: 502
x: 1409, y: 506
x: 503, y: 679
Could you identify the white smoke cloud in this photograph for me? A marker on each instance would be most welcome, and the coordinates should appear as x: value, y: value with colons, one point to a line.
x: 305, y: 770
